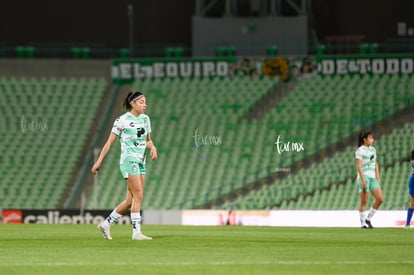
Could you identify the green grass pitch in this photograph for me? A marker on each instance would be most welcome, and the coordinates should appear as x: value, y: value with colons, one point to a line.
x: 80, y: 249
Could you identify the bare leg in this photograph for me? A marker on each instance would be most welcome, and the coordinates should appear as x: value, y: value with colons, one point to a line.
x: 379, y: 198
x: 123, y: 207
x: 363, y: 200
x: 117, y: 213
x: 135, y: 187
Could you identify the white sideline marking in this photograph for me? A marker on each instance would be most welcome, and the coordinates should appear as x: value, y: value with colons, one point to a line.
x: 211, y: 263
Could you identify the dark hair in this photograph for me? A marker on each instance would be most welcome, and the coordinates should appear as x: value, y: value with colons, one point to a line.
x: 412, y: 155
x: 363, y: 135
x: 131, y: 96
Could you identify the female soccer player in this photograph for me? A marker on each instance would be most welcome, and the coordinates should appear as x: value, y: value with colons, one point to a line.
x: 368, y: 178
x: 133, y: 130
x: 411, y: 191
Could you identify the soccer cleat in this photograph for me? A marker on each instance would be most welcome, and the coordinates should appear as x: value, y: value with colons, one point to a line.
x: 364, y: 226
x: 407, y: 227
x: 368, y: 222
x: 105, y: 229
x: 138, y: 236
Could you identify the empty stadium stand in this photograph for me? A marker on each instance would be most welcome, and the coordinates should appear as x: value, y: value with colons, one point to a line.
x: 331, y: 183
x: 189, y: 114
x: 45, y: 123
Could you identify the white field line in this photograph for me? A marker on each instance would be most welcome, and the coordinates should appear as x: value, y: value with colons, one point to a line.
x: 57, y: 264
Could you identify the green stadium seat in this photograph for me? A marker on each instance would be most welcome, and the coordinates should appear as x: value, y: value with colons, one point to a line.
x: 20, y: 52
x: 363, y: 48
x: 173, y: 52
x: 272, y: 51
x: 169, y: 52
x: 30, y: 52
x: 220, y: 51
x: 373, y: 48
x: 320, y: 50
x: 231, y: 51
x: 80, y: 52
x: 123, y: 53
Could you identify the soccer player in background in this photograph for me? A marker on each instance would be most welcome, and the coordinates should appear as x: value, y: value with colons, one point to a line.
x: 133, y: 131
x: 411, y: 191
x: 368, y: 178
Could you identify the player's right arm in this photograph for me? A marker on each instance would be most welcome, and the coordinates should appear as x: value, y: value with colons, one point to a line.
x: 360, y: 173
x: 358, y: 156
x: 112, y: 137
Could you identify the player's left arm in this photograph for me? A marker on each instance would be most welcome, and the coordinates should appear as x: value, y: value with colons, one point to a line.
x: 151, y: 146
x: 377, y: 174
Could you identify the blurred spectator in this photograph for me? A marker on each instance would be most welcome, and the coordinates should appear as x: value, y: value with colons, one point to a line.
x: 245, y: 66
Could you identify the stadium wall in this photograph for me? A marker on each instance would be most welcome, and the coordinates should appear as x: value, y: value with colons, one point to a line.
x: 11, y: 67
x: 250, y: 36
x: 95, y: 22
x: 159, y: 21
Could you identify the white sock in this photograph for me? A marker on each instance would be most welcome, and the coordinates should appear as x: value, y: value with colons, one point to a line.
x: 371, y: 213
x: 362, y: 218
x: 113, y: 218
x: 136, y: 221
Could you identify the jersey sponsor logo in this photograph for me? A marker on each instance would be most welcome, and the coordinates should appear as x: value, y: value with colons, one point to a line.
x: 137, y: 144
x: 140, y: 131
x: 367, y: 156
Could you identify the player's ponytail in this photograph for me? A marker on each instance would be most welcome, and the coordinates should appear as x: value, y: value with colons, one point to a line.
x: 125, y: 103
x: 412, y: 155
x: 363, y: 135
x: 131, y: 96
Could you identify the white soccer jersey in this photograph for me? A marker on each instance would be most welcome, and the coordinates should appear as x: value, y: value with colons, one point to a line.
x: 368, y: 155
x: 132, y: 132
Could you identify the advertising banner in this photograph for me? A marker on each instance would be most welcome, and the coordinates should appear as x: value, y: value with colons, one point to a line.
x: 374, y: 65
x: 223, y: 217
x: 56, y: 216
x: 126, y: 71
x: 335, y: 218
x: 295, y: 218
